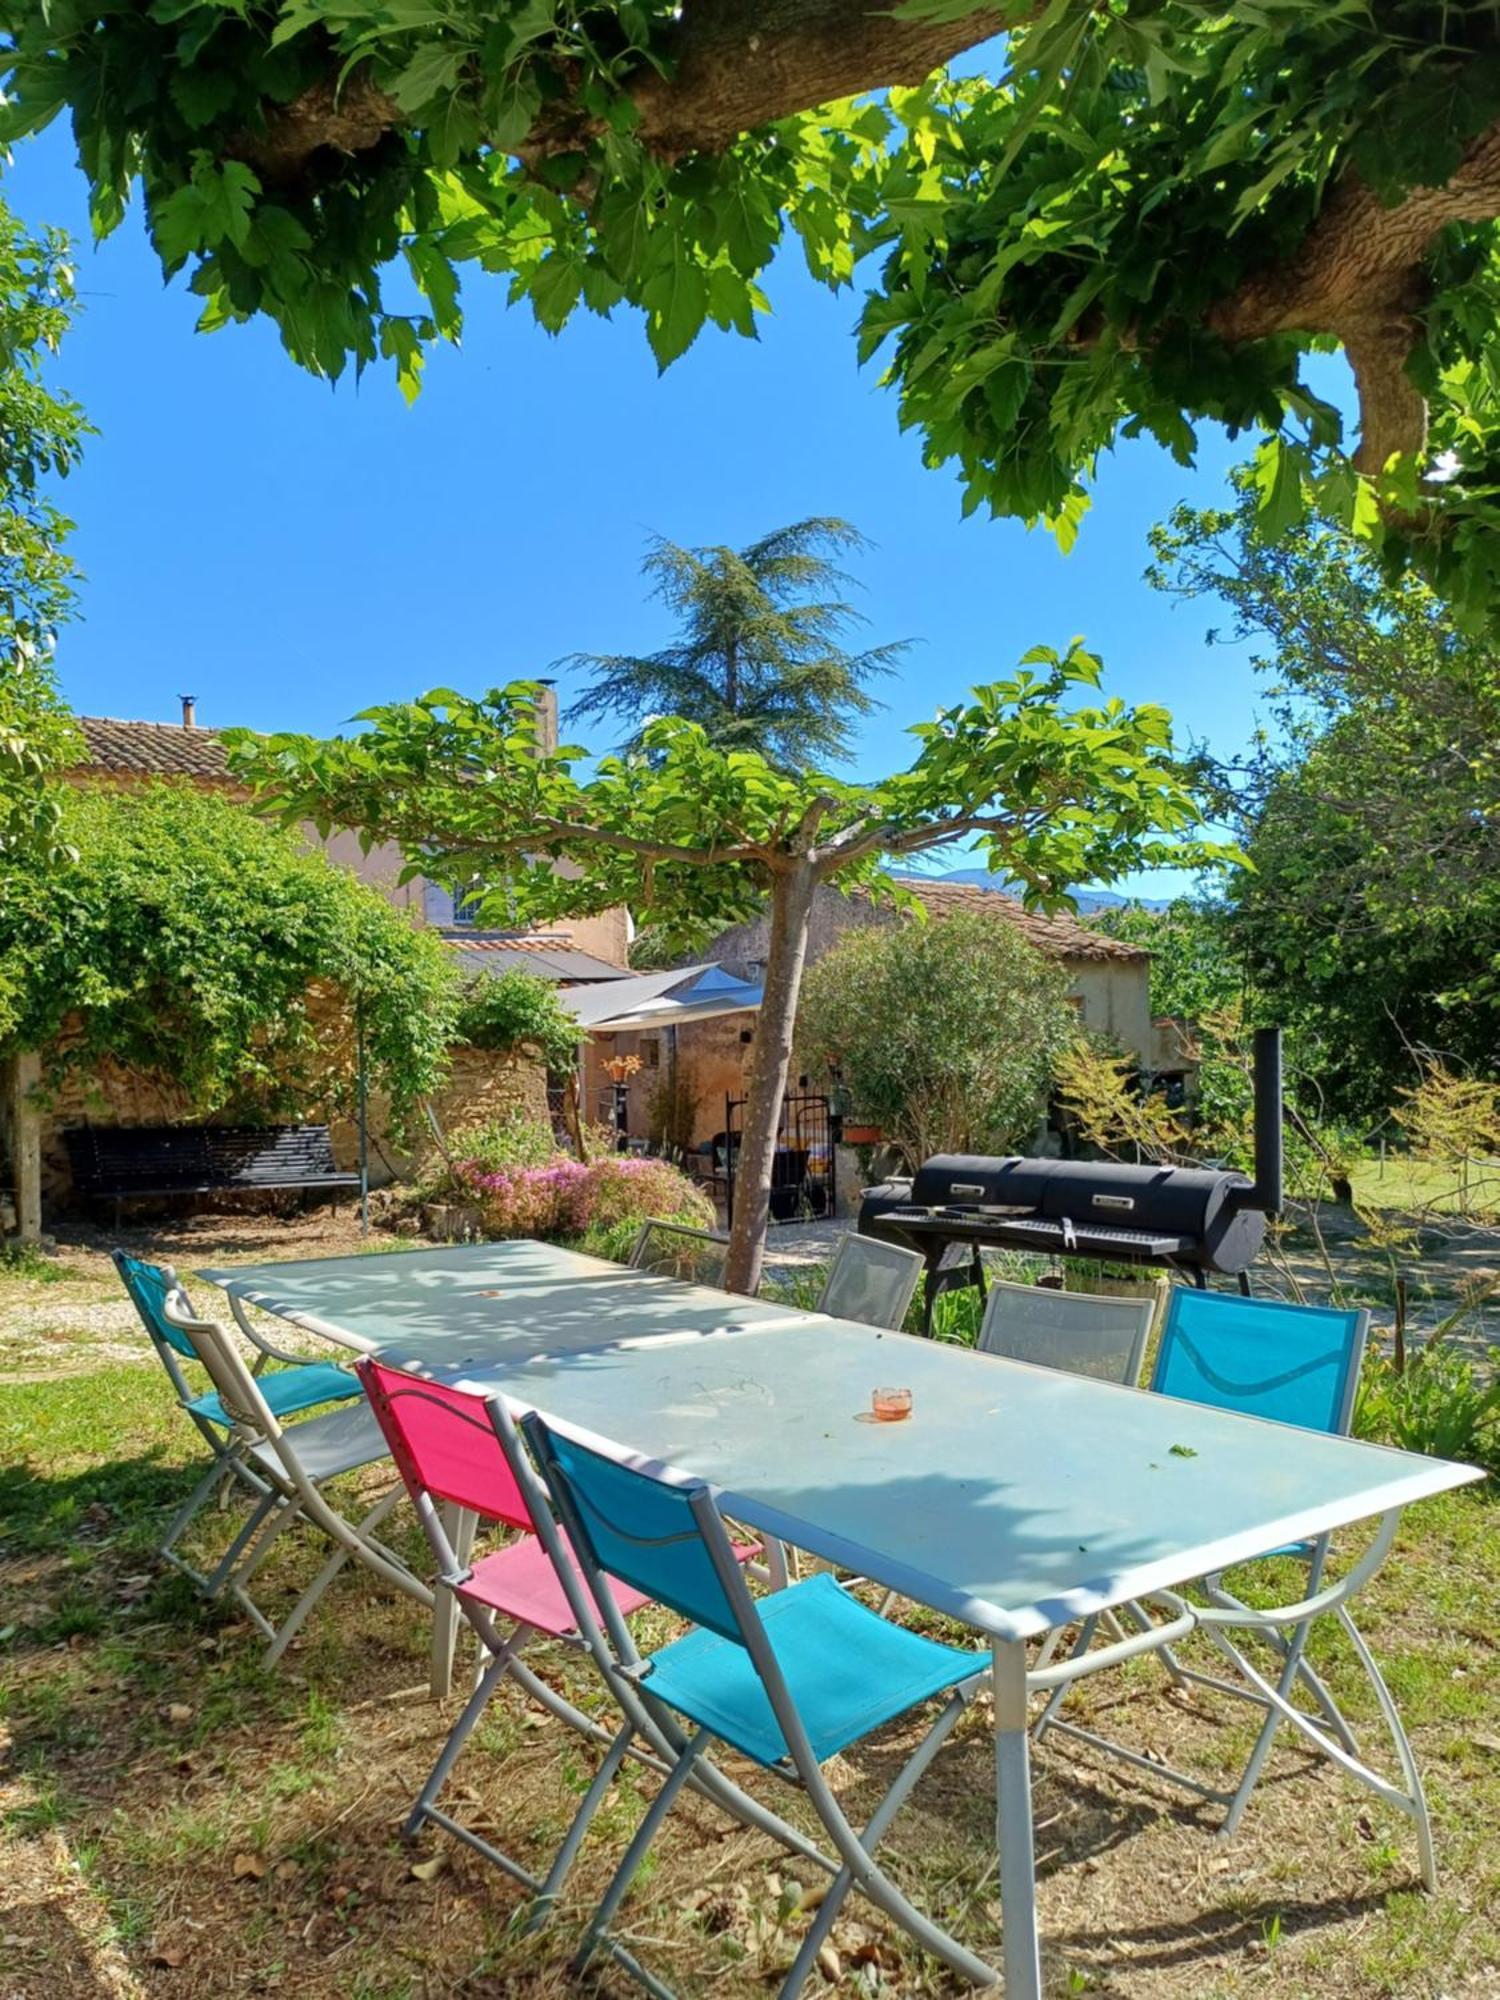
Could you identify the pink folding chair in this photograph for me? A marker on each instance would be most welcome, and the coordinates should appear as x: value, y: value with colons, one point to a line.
x: 446, y: 1450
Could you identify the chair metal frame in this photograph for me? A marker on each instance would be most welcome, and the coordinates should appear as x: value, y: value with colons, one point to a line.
x: 295, y: 1493
x: 1005, y: 1297
x: 500, y: 1649
x: 852, y: 1864
x: 229, y: 1467
x: 654, y: 1227
x: 905, y: 1265
x: 1286, y: 1627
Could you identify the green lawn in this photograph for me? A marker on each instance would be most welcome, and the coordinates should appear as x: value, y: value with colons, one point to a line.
x: 1400, y: 1182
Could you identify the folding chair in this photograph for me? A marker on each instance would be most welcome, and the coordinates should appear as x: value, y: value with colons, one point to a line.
x: 1080, y: 1332
x: 448, y: 1449
x: 295, y: 1465
x: 789, y: 1682
x: 872, y: 1282
x: 672, y: 1250
x: 300, y: 1386
x: 1297, y: 1365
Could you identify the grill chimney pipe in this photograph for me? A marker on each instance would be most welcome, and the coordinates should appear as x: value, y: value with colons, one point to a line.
x: 1265, y: 1192
x: 189, y: 710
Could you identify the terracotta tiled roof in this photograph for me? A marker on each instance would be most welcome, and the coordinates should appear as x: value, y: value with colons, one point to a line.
x: 151, y: 749
x: 1058, y: 936
x: 468, y: 940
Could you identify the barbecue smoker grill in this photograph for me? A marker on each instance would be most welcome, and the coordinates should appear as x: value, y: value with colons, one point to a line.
x: 1191, y: 1219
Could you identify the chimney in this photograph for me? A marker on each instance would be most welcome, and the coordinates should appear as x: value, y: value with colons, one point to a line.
x: 546, y: 719
x: 189, y: 710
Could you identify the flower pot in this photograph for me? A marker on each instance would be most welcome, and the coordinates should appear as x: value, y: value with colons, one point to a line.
x: 863, y: 1135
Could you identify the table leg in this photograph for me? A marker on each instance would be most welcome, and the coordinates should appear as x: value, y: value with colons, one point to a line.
x: 459, y: 1524
x: 1022, y: 1952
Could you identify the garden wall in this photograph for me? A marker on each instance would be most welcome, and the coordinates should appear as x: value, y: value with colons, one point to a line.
x: 481, y: 1084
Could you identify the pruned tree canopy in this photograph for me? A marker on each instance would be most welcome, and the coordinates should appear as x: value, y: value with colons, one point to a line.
x: 1145, y: 217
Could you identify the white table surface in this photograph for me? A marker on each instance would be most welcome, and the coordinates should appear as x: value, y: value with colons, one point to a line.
x: 1015, y: 1497
x: 474, y: 1301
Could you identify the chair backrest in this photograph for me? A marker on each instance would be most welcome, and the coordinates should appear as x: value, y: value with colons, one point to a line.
x: 216, y: 1348
x: 871, y: 1281
x: 1297, y: 1364
x: 649, y: 1532
x: 148, y: 1286
x: 673, y: 1250
x: 1079, y: 1332
x: 443, y: 1443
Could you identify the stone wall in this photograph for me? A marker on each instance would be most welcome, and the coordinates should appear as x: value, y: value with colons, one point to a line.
x: 480, y: 1085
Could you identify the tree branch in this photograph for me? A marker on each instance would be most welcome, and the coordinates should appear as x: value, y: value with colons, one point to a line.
x: 729, y: 67
x: 734, y: 67
x: 1361, y: 276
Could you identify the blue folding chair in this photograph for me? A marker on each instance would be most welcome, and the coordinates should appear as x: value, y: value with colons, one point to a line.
x: 789, y: 1681
x: 295, y: 1387
x: 1293, y: 1364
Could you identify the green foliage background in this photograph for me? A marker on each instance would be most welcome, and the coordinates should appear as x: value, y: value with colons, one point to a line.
x: 41, y: 432
x: 185, y: 939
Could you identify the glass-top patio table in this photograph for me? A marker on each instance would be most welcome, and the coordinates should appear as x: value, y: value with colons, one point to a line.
x: 1014, y: 1498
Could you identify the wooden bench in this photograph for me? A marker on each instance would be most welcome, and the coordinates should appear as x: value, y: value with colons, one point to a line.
x: 122, y: 1163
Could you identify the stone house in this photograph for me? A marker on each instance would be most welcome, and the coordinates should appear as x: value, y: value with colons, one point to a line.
x: 1110, y: 985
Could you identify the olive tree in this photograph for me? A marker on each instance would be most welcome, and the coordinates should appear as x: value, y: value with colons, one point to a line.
x: 690, y: 832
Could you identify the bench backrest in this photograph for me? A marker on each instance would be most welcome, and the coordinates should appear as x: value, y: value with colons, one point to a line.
x: 162, y: 1157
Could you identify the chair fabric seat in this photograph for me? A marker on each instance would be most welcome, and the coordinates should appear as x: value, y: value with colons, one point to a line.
x: 520, y: 1582
x: 339, y: 1441
x: 288, y: 1391
x: 847, y: 1671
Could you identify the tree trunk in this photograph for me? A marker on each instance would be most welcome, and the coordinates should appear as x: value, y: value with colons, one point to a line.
x: 770, y: 1064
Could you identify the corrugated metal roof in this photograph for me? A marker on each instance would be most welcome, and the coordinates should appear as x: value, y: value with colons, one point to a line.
x: 151, y: 749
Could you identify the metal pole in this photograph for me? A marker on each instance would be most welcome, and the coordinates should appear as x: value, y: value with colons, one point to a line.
x: 364, y: 1125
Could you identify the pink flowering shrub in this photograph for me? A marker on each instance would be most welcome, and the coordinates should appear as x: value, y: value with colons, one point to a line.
x: 566, y: 1198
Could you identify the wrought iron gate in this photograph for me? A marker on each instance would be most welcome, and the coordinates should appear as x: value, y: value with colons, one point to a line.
x: 802, y: 1178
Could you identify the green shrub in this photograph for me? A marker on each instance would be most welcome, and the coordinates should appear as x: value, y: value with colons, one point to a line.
x: 943, y: 1033
x: 1441, y: 1403
x: 512, y: 1140
x: 519, y: 1013
x: 25, y: 1260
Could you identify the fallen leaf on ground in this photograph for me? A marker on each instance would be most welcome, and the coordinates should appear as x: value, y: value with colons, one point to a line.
x: 428, y: 1871
x: 248, y: 1864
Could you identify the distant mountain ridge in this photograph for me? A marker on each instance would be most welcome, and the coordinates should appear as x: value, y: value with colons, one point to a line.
x: 1088, y: 900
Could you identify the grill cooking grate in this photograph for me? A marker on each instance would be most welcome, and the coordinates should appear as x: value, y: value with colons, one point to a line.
x: 1042, y: 1232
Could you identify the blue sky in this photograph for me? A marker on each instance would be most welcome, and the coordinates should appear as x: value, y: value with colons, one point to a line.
x: 290, y: 553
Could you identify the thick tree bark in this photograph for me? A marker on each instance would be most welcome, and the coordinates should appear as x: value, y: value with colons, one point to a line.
x: 770, y: 1065
x: 731, y: 67
x: 739, y: 64
x: 1361, y: 276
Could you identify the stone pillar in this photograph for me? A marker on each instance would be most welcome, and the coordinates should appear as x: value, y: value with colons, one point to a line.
x: 26, y: 1143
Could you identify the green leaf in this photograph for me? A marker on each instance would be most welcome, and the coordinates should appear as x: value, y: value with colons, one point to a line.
x: 400, y: 343
x: 431, y: 72
x: 676, y: 301
x: 554, y: 287
x: 1281, y: 502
